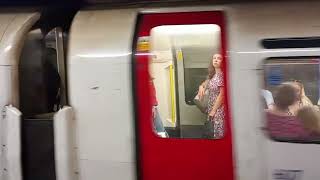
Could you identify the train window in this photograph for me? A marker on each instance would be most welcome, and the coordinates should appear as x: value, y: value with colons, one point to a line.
x: 291, y: 98
x: 296, y: 42
x: 186, y: 79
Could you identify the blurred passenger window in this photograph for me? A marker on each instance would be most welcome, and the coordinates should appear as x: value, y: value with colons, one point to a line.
x: 186, y: 80
x: 291, y: 98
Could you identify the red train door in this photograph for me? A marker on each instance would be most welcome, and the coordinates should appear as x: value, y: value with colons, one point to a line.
x: 180, y: 156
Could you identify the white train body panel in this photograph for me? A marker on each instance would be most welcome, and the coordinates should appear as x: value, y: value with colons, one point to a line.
x: 99, y: 71
x: 13, y: 29
x: 65, y: 148
x: 11, y: 148
x: 100, y: 88
x: 257, y: 156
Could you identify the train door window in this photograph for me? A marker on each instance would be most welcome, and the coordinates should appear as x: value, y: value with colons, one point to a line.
x: 186, y: 62
x: 291, y: 98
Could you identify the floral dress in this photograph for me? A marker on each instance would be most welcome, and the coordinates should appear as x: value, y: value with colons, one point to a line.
x: 218, y: 120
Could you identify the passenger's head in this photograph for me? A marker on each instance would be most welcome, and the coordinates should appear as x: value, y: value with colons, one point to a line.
x: 310, y: 117
x: 216, y: 60
x: 298, y: 87
x: 284, y: 96
x: 302, y: 98
x: 215, y: 63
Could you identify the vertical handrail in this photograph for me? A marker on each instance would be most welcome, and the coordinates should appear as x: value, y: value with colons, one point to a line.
x: 172, y: 91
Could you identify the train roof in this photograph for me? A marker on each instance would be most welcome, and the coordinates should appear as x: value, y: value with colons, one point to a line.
x: 115, y: 2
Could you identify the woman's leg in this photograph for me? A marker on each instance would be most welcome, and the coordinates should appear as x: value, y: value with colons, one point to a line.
x: 218, y: 128
x: 158, y: 122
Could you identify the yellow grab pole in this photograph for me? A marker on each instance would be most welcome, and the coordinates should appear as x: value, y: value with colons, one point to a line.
x: 172, y: 93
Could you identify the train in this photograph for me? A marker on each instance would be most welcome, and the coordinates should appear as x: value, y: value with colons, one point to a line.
x: 76, y: 102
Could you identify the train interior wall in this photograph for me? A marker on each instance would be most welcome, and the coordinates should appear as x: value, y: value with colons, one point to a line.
x: 187, y: 50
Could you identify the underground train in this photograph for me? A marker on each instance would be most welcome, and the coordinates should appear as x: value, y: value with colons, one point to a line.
x: 76, y: 102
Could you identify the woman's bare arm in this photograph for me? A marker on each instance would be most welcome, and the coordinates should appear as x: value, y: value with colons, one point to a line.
x: 202, y: 88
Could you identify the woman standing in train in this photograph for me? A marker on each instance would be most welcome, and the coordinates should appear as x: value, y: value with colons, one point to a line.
x: 214, y: 83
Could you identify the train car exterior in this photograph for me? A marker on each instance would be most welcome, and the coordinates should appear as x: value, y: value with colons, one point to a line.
x: 104, y: 128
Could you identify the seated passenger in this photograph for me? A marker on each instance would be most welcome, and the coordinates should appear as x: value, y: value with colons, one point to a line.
x: 281, y: 124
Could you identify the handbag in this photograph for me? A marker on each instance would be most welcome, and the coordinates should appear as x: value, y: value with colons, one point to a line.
x: 202, y: 103
x: 208, y: 131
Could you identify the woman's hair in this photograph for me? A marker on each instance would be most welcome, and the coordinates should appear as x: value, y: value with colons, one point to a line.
x: 284, y: 96
x: 302, y: 98
x: 211, y: 70
x: 310, y: 117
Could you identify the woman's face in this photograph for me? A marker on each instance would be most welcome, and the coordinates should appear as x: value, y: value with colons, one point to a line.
x: 216, y: 60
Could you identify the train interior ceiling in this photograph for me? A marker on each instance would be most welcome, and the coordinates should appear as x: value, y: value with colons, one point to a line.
x: 179, y: 63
